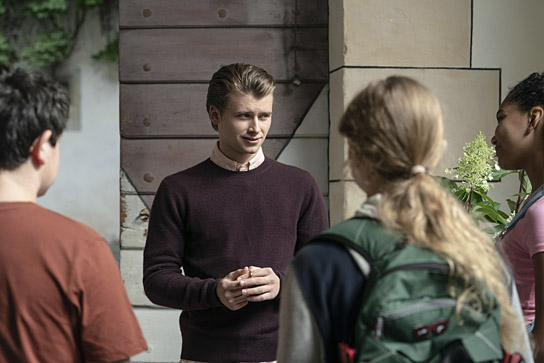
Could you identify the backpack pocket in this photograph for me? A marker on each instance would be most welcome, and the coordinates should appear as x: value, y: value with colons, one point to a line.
x: 422, y: 331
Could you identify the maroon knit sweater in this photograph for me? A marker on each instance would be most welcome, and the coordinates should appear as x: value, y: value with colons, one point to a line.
x: 212, y: 221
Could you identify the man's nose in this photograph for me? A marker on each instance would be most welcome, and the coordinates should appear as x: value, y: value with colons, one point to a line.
x: 255, y: 126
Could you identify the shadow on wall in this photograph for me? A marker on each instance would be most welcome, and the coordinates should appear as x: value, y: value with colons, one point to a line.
x: 115, y: 247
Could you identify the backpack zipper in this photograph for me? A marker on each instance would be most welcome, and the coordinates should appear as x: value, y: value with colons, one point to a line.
x: 414, y: 308
x: 443, y: 267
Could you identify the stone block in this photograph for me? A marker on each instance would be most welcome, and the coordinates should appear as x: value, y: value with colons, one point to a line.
x: 134, y: 221
x: 161, y: 331
x: 345, y: 198
x: 423, y: 33
x: 131, y: 265
x: 469, y: 100
x: 311, y: 155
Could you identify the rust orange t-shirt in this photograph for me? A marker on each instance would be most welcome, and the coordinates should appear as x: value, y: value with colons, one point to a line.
x: 61, y: 295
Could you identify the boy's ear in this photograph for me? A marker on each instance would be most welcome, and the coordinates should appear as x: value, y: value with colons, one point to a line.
x: 39, y: 148
x: 215, y: 115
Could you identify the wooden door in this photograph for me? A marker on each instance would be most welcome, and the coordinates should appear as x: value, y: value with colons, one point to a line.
x: 169, y: 50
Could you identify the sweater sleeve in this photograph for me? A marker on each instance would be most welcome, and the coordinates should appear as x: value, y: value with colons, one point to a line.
x: 313, y: 218
x: 164, y: 283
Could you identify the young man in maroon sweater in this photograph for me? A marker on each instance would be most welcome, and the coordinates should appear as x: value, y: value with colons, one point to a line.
x: 233, y: 223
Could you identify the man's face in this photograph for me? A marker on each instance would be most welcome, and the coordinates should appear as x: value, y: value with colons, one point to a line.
x: 243, y: 125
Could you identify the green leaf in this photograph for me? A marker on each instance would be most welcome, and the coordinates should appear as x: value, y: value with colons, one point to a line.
x: 6, y: 52
x: 92, y: 3
x: 492, y: 230
x: 511, y: 205
x: 489, y: 212
x: 498, y: 174
x: 47, y: 50
x: 486, y: 198
x: 110, y: 51
x: 43, y: 9
x: 461, y: 195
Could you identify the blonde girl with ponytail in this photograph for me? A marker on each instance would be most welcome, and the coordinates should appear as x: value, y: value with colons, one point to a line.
x: 395, y: 136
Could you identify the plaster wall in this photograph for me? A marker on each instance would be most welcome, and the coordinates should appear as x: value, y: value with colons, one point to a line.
x: 507, y: 34
x: 87, y: 185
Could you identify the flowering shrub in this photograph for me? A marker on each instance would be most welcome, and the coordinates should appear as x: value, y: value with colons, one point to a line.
x: 475, y: 166
x: 471, y: 181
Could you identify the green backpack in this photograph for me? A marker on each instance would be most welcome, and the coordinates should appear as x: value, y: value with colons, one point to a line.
x: 408, y: 314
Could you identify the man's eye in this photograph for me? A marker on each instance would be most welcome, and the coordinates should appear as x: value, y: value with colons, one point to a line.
x: 264, y: 116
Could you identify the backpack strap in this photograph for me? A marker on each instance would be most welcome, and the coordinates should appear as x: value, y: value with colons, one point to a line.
x: 364, y: 236
x: 532, y: 200
x: 366, y: 240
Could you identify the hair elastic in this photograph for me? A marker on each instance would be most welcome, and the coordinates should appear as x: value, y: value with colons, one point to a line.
x: 418, y: 169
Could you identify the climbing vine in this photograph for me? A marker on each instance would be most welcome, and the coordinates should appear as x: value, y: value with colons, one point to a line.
x: 42, y: 33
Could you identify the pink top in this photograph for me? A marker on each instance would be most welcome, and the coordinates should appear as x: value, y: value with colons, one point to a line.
x: 518, y: 246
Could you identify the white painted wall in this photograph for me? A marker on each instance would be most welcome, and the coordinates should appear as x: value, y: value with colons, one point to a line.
x: 87, y: 186
x: 508, y: 35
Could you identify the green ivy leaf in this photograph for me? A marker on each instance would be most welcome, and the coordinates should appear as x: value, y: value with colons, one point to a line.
x: 43, y: 9
x: 92, y: 3
x: 6, y: 52
x: 47, y: 50
x: 110, y: 51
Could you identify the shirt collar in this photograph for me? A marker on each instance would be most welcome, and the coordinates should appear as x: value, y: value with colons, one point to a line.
x: 369, y: 207
x: 225, y: 162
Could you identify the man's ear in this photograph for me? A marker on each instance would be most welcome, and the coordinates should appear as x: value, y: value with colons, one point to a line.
x: 39, y: 148
x: 215, y: 115
x: 535, y: 116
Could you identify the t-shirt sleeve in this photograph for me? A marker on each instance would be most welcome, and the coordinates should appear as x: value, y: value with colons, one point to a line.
x: 534, y: 224
x: 109, y: 330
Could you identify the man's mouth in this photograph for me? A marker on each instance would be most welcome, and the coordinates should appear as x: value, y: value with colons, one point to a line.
x: 252, y: 140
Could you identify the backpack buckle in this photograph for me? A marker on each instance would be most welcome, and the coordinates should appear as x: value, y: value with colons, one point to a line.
x: 510, y: 357
x: 438, y: 328
x: 347, y: 353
